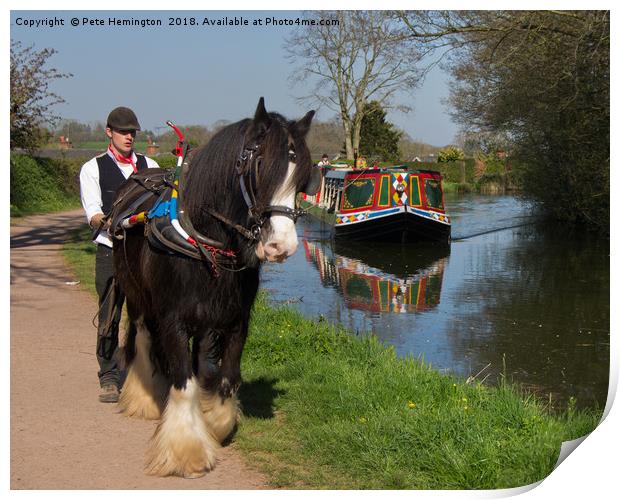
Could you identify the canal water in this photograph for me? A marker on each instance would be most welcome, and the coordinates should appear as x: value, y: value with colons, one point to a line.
x: 509, y: 296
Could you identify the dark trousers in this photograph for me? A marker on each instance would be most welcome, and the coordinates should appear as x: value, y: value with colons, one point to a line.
x: 108, y: 318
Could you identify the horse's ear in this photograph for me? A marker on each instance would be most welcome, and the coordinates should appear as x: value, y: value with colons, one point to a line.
x: 261, y: 118
x: 303, y: 125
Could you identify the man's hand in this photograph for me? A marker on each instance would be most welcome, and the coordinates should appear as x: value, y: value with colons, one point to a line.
x: 95, y: 221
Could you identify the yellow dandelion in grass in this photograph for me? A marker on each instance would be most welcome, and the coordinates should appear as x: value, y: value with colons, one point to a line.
x: 466, y: 408
x: 362, y: 420
x: 464, y: 400
x: 411, y: 405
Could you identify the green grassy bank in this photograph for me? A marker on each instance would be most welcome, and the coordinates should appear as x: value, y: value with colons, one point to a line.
x: 40, y: 185
x: 324, y: 408
x: 318, y: 213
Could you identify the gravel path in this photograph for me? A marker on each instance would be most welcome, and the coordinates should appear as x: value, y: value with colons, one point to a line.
x: 61, y: 436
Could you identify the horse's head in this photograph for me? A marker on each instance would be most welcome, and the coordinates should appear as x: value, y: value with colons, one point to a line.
x: 281, y: 168
x: 246, y: 180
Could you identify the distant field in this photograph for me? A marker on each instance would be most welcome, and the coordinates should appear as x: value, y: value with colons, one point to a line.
x: 103, y: 145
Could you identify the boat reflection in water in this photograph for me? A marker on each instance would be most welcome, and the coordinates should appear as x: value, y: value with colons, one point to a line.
x: 381, y: 278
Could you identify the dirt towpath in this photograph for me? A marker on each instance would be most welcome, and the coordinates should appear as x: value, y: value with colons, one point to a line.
x: 62, y: 437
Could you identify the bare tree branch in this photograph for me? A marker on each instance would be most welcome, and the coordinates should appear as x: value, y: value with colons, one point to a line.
x: 366, y: 57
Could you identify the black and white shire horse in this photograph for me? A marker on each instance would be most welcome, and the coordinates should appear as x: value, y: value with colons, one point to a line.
x: 188, y: 318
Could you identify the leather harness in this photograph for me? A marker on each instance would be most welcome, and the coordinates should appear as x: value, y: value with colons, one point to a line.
x: 158, y: 185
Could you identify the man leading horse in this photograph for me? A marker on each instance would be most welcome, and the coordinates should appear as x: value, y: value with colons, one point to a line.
x: 100, y: 178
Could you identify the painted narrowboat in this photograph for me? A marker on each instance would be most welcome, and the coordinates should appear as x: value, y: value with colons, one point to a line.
x: 387, y: 204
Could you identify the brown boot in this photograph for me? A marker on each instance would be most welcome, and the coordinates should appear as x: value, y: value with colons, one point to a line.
x: 109, y: 394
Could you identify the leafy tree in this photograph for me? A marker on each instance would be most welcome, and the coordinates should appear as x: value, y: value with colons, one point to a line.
x: 98, y: 131
x: 378, y: 137
x: 31, y: 100
x: 195, y: 136
x: 76, y: 131
x: 540, y: 78
x: 449, y: 154
x: 365, y: 57
x: 474, y: 143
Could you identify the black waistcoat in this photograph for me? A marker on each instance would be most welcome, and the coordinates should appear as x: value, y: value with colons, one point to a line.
x: 111, y: 178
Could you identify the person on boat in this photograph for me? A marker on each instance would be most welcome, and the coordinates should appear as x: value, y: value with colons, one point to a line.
x: 100, y: 178
x: 324, y: 161
x: 360, y: 162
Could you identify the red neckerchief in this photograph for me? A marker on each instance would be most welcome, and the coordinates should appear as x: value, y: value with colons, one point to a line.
x: 123, y: 160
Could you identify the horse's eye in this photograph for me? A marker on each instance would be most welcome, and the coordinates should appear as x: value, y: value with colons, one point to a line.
x: 292, y: 157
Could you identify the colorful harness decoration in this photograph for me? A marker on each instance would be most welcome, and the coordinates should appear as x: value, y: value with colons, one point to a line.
x: 162, y: 225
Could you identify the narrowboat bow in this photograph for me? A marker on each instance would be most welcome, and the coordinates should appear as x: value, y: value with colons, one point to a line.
x: 388, y: 204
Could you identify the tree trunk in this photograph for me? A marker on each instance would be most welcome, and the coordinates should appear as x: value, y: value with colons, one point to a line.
x: 357, y: 129
x: 347, y: 138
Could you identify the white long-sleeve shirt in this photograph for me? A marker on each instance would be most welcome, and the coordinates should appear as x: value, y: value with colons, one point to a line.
x: 90, y: 189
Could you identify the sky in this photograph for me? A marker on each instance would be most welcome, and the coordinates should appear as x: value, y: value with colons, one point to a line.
x: 192, y: 74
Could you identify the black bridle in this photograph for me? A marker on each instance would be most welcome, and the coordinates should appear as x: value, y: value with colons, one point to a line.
x: 247, y: 166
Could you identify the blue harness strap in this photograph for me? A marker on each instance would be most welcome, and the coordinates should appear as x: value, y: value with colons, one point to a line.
x: 160, y: 209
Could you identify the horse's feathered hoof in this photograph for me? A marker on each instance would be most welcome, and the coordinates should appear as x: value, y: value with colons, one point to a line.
x: 182, y: 445
x: 186, y: 457
x: 221, y: 415
x: 144, y: 391
x: 142, y: 398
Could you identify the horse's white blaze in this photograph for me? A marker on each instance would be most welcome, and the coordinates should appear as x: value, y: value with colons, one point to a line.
x: 282, y: 241
x: 182, y: 444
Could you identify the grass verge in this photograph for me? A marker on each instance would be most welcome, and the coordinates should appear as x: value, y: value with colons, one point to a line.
x: 318, y: 213
x: 325, y: 409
